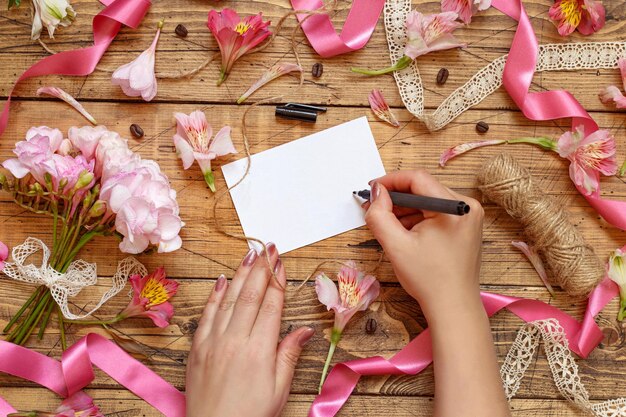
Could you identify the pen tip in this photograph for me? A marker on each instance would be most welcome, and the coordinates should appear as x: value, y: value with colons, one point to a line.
x: 353, y: 192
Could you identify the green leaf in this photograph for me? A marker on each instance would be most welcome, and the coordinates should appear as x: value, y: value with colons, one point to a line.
x: 14, y: 3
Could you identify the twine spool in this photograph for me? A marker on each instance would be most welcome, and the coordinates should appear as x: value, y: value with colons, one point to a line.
x: 574, y: 265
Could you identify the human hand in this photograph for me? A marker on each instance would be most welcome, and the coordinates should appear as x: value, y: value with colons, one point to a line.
x: 236, y: 366
x: 435, y: 256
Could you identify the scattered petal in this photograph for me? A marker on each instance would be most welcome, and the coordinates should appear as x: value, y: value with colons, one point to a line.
x: 465, y: 147
x: 536, y: 262
x: 276, y: 71
x: 381, y: 108
x: 66, y: 97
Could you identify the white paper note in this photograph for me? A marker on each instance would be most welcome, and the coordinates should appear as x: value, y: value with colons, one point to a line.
x: 301, y: 192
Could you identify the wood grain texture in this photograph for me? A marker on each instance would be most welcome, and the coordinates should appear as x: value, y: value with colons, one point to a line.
x: 206, y: 253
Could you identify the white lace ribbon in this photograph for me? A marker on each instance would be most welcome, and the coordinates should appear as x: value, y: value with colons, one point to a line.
x: 562, y: 365
x: 79, y: 274
x: 552, y: 57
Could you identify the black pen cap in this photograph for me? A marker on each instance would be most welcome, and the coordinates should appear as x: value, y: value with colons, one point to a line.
x: 288, y: 113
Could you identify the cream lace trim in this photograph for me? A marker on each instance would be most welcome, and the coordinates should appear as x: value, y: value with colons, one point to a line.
x: 562, y: 364
x: 552, y: 57
x: 63, y: 287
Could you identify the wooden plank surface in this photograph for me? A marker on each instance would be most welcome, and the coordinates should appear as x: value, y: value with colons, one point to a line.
x: 206, y: 253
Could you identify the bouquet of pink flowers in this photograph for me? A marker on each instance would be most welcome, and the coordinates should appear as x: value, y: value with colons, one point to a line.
x: 91, y: 184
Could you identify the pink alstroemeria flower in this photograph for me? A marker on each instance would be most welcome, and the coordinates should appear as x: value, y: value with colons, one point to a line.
x: 425, y: 33
x: 193, y: 142
x: 613, y: 93
x: 586, y: 16
x: 465, y: 147
x: 355, y: 293
x: 66, y: 97
x: 274, y: 72
x: 150, y: 298
x: 381, y: 109
x: 465, y: 8
x: 78, y: 404
x: 235, y: 36
x: 137, y: 78
x: 4, y: 254
x: 590, y: 156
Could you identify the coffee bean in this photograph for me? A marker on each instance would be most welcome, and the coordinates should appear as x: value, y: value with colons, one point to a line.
x: 136, y: 131
x: 442, y: 76
x: 482, y: 127
x: 370, y: 326
x: 181, y: 31
x: 317, y: 70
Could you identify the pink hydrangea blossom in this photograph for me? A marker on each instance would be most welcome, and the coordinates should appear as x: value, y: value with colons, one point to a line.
x: 236, y: 36
x: 86, y: 139
x: 193, y: 141
x: 613, y: 93
x: 589, y: 157
x: 137, y: 78
x: 151, y: 296
x: 465, y: 8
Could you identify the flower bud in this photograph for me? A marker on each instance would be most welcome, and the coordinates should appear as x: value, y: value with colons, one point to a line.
x: 66, y: 147
x: 84, y: 180
x: 3, y: 179
x: 38, y: 188
x: 98, y: 209
x: 62, y: 185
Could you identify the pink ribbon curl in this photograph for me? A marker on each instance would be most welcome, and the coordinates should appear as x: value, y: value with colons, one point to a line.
x: 356, y: 32
x: 106, y: 25
x: 582, y: 337
x: 75, y: 371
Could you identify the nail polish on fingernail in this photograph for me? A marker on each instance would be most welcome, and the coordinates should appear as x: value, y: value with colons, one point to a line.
x: 375, y: 191
x: 219, y: 285
x: 306, y: 336
x: 271, y: 248
x: 250, y: 258
x: 279, y: 263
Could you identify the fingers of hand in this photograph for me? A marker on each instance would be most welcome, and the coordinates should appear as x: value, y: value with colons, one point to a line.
x: 210, y: 310
x: 287, y: 357
x: 417, y: 182
x: 227, y: 304
x: 267, y: 325
x: 381, y: 220
x: 252, y: 292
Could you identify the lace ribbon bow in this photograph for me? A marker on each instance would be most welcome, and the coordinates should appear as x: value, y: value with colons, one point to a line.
x: 79, y: 274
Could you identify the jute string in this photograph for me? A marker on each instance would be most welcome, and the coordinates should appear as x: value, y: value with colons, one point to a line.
x: 574, y: 265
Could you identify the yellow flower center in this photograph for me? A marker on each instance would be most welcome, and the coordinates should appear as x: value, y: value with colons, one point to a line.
x: 349, y: 293
x: 572, y: 12
x: 198, y: 139
x: 155, y: 292
x: 242, y: 27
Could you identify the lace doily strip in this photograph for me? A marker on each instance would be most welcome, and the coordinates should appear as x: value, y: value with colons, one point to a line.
x: 552, y: 57
x: 562, y: 365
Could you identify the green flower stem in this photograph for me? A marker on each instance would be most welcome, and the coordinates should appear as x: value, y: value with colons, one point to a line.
x: 19, y: 313
x: 82, y: 242
x: 335, y: 337
x: 97, y: 322
x: 401, y: 64
x: 40, y: 313
x: 32, y: 320
x: 55, y: 217
x: 209, y: 178
x: 15, y: 332
x: 62, y: 328
x: 622, y: 170
x: 223, y: 76
x: 542, y: 141
x: 46, y: 319
x: 622, y: 308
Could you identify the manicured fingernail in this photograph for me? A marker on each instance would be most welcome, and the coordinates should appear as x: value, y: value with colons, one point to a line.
x: 375, y: 191
x: 250, y: 258
x: 305, y: 336
x: 271, y: 248
x: 279, y: 263
x: 219, y: 285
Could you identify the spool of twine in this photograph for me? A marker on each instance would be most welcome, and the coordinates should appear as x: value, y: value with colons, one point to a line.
x: 573, y: 264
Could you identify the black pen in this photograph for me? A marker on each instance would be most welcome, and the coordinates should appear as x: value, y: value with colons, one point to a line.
x: 420, y: 202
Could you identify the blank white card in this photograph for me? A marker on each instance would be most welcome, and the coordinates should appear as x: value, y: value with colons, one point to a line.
x: 301, y: 192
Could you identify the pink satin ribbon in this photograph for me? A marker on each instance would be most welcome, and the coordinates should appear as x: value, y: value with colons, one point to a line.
x: 106, y: 25
x: 583, y: 337
x: 75, y: 371
x: 356, y: 31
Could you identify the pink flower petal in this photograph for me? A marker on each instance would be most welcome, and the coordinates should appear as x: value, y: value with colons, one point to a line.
x: 277, y: 70
x: 465, y: 147
x: 184, y: 151
x: 381, y: 109
x: 222, y: 144
x: 613, y: 94
x: 428, y: 33
x: 327, y: 292
x: 4, y: 254
x: 17, y: 169
x: 161, y: 314
x: 60, y: 94
x: 536, y: 262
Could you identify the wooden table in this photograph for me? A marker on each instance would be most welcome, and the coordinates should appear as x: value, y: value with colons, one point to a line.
x: 206, y: 253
